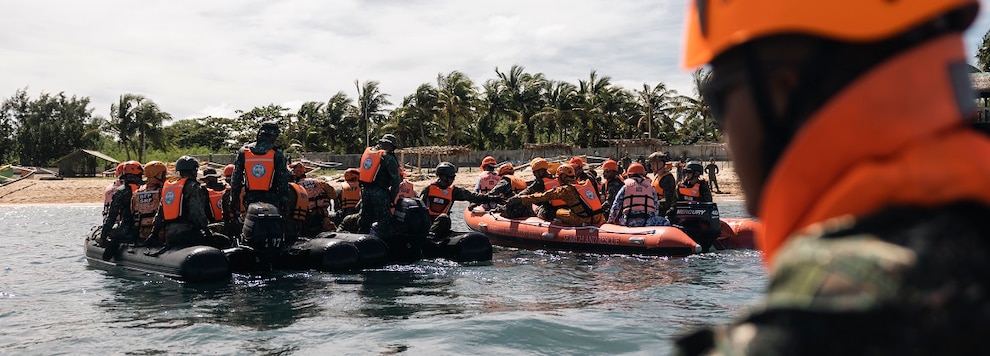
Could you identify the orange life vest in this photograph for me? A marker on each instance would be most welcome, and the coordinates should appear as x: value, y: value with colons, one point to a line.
x: 371, y: 162
x: 406, y: 190
x: 639, y: 196
x: 589, y: 198
x: 216, y: 203
x: 317, y: 197
x: 259, y: 170
x: 301, y: 209
x: 439, y: 200
x: 691, y: 193
x: 518, y: 184
x: 144, y: 204
x: 172, y: 199
x: 487, y: 181
x: 913, y: 99
x: 657, y: 187
x: 551, y: 184
x: 350, y: 194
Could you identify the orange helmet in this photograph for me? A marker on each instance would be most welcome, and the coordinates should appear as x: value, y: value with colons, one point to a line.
x: 506, y: 168
x: 298, y: 169
x: 716, y: 26
x: 538, y: 163
x: 351, y: 174
x: 576, y: 162
x: 155, y: 170
x: 565, y: 170
x: 610, y: 165
x: 402, y: 172
x: 489, y: 160
x: 636, y: 168
x: 228, y: 170
x: 132, y: 167
x: 119, y: 170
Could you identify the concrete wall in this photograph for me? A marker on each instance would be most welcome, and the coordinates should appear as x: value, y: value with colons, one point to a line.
x: 697, y: 152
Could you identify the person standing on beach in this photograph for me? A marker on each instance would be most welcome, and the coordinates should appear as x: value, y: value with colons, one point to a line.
x: 380, y: 179
x: 870, y: 251
x: 712, y: 170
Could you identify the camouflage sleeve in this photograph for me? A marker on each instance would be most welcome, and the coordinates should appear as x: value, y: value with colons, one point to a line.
x: 237, y: 180
x: 535, y: 187
x: 706, y: 191
x: 669, y: 191
x: 195, y: 202
x: 503, y: 189
x: 391, y: 165
x: 281, y: 180
x: 556, y: 193
x: 120, y: 205
x: 467, y: 195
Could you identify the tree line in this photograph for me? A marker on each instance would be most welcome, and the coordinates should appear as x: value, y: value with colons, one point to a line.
x: 515, y: 108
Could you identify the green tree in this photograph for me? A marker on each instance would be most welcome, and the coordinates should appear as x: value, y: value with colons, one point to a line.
x: 208, y: 132
x: 371, y: 107
x: 659, y: 107
x: 560, y: 113
x: 983, y: 53
x: 248, y: 122
x: 697, y: 124
x: 48, y: 128
x: 456, y: 100
x: 521, y: 95
x: 123, y: 117
x: 148, y: 119
x: 416, y: 120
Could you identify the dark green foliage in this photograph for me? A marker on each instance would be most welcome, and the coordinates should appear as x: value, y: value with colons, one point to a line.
x: 44, y: 129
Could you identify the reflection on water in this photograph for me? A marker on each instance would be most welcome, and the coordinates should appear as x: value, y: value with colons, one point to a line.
x: 521, y: 302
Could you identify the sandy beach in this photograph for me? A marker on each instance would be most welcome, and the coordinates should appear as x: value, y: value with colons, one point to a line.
x: 90, y: 190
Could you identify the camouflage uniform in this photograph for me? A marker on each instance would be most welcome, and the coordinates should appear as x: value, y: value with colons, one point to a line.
x: 189, y: 229
x: 504, y: 190
x: 611, y: 188
x: 572, y: 215
x: 441, y: 224
x: 377, y: 197
x: 119, y: 210
x: 906, y: 281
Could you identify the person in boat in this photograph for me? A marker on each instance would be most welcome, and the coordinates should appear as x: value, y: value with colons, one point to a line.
x: 260, y: 173
x: 544, y: 181
x: 118, y: 224
x: 712, y: 170
x: 182, y: 214
x: 488, y: 178
x: 663, y: 180
x: 231, y: 218
x: 613, y: 182
x: 580, y: 204
x: 509, y: 186
x: 214, y: 189
x: 440, y: 195
x: 146, y: 200
x: 406, y: 189
x: 379, y: 178
x: 693, y: 187
x: 112, y: 187
x: 319, y: 193
x: 580, y: 168
x: 295, y: 221
x: 834, y: 111
x: 636, y: 203
x: 348, y: 196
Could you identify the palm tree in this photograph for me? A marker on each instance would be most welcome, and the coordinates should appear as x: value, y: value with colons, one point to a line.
x: 122, y: 120
x: 983, y: 53
x: 560, y: 111
x: 148, y: 120
x: 371, y: 102
x: 456, y: 99
x: 696, y: 121
x: 522, y: 94
x: 659, y: 106
x: 596, y: 97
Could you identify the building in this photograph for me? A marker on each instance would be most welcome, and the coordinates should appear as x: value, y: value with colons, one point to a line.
x: 85, y: 163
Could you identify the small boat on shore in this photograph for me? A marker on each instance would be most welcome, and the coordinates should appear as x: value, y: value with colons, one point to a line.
x: 535, y: 233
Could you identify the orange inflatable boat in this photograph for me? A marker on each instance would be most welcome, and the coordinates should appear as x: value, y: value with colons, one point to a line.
x: 536, y: 234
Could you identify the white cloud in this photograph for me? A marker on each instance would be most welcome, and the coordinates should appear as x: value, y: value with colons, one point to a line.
x: 197, y: 58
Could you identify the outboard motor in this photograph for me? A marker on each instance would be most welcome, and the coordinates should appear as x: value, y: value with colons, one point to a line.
x: 411, y: 225
x: 699, y: 220
x: 263, y: 230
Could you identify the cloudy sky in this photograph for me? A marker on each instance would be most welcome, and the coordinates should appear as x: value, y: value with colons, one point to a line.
x: 198, y: 58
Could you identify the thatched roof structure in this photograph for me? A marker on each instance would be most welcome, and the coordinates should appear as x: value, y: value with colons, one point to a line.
x: 441, y: 152
x: 981, y: 84
x: 638, y: 142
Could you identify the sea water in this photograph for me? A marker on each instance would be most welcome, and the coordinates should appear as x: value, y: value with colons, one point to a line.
x: 522, y: 302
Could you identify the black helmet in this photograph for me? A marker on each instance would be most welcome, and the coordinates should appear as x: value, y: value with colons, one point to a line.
x: 269, y: 128
x: 446, y: 169
x: 186, y: 163
x: 695, y: 166
x: 390, y: 138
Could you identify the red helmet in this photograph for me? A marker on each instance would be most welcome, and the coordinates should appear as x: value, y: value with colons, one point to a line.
x: 565, y: 171
x: 228, y: 170
x: 489, y: 160
x: 610, y: 165
x: 635, y: 168
x: 351, y: 174
x: 119, y: 170
x: 155, y: 170
x: 506, y: 168
x: 576, y: 162
x: 132, y: 167
x: 298, y: 169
